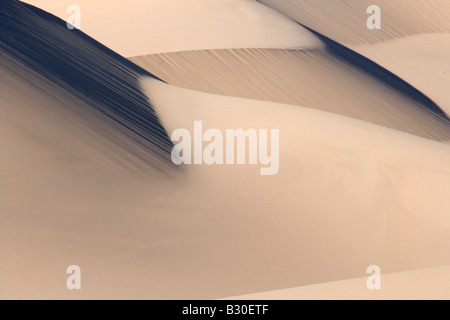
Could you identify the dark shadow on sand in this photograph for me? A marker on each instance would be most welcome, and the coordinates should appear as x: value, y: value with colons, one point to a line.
x: 349, y: 56
x: 85, y: 68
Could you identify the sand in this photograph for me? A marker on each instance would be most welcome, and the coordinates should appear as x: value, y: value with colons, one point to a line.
x: 314, y: 79
x: 425, y: 284
x: 422, y: 60
x: 375, y: 191
x: 64, y: 178
x: 344, y: 21
x: 356, y: 187
x: 185, y: 237
x: 143, y: 27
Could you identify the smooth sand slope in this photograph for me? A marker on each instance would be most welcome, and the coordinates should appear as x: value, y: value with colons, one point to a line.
x: 341, y: 24
x: 346, y: 197
x: 428, y: 284
x: 143, y: 27
x: 315, y: 79
x: 422, y: 60
x: 81, y: 186
x: 106, y: 82
x: 344, y: 21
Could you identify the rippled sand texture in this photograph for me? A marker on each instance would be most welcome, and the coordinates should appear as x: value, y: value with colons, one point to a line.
x: 428, y: 284
x: 422, y: 60
x: 153, y: 26
x: 314, y: 79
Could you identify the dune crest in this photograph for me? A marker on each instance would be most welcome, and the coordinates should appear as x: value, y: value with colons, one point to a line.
x: 422, y: 60
x: 316, y: 79
x: 145, y: 27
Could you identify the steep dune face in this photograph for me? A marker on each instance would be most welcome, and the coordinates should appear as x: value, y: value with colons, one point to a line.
x: 343, y: 30
x: 143, y: 27
x: 84, y: 68
x: 79, y: 139
x: 74, y: 190
x: 315, y: 79
x: 344, y: 21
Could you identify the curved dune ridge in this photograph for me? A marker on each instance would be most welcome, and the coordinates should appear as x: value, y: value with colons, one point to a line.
x: 104, y: 80
x: 344, y: 21
x: 143, y: 27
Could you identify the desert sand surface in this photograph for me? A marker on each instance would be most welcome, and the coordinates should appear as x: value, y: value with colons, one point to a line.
x: 142, y: 27
x: 425, y: 284
x: 411, y: 33
x: 391, y: 179
x: 344, y: 21
x: 422, y: 60
x: 315, y: 79
x: 361, y: 182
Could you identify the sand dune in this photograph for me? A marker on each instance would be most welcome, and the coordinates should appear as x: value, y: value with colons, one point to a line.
x: 106, y: 82
x: 144, y: 27
x: 86, y: 177
x: 339, y: 24
x: 426, y: 284
x: 315, y: 79
x: 154, y: 236
x: 69, y: 182
x: 344, y: 21
x: 422, y: 60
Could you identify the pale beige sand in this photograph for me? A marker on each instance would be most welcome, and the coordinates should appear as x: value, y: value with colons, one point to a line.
x: 421, y: 60
x: 426, y: 284
x: 349, y: 194
x: 345, y: 20
x: 346, y: 197
x: 142, y: 27
x: 313, y: 79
